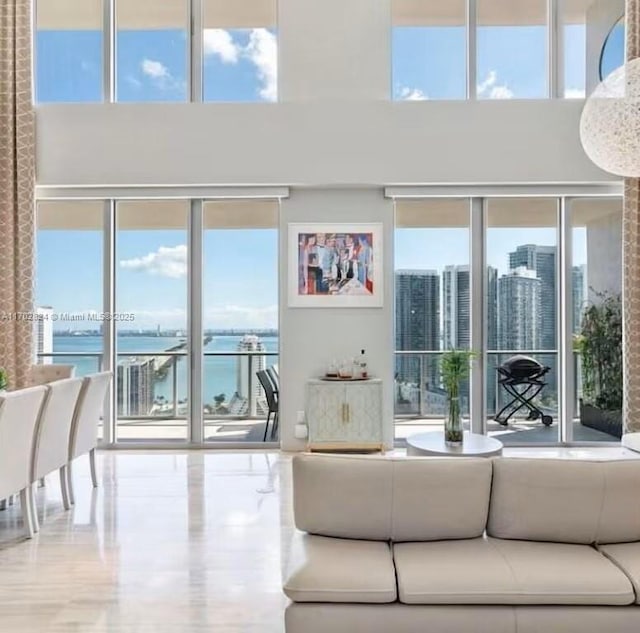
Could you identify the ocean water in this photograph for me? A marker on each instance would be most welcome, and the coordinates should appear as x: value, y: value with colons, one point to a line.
x: 219, y: 373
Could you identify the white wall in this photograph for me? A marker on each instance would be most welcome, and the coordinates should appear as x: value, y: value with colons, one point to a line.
x: 334, y: 49
x: 313, y: 144
x: 311, y: 338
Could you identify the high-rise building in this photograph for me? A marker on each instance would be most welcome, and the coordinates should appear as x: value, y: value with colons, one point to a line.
x: 542, y: 260
x: 250, y: 343
x: 579, y: 294
x: 43, y: 335
x: 136, y: 386
x: 456, y: 300
x: 519, y: 310
x: 417, y: 322
x: 492, y: 336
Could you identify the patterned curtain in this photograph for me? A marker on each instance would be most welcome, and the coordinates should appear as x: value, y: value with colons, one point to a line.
x: 17, y: 179
x: 631, y: 257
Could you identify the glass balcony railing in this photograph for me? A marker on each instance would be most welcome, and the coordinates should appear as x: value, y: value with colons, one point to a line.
x: 153, y: 385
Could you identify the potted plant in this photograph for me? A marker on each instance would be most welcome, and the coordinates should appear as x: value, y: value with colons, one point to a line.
x: 600, y: 347
x: 454, y: 367
x: 4, y: 379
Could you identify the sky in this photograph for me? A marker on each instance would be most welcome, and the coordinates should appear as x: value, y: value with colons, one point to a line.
x: 240, y: 279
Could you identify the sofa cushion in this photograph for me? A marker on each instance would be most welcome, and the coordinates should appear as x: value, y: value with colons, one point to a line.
x: 495, y: 571
x: 436, y: 499
x: 565, y: 501
x: 340, y: 570
x: 343, y: 496
x: 627, y: 557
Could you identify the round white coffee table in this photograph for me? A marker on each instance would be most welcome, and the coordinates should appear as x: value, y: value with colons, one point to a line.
x: 473, y: 445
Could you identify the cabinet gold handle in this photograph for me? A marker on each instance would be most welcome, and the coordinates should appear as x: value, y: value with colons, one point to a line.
x: 348, y: 412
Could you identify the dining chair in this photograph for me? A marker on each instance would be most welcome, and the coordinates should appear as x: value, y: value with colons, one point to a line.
x: 51, y: 445
x: 44, y: 374
x: 19, y: 412
x: 84, y: 428
x: 272, y: 402
x: 275, y: 379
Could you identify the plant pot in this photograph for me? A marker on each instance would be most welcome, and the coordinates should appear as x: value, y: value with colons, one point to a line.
x: 604, y: 420
x: 453, y: 431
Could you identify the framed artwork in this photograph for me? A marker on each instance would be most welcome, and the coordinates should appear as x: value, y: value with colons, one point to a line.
x: 335, y: 265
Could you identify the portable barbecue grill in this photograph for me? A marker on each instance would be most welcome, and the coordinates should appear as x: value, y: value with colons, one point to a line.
x: 522, y: 378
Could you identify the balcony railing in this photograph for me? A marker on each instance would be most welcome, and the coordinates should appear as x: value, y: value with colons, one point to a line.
x: 138, y: 380
x: 418, y: 382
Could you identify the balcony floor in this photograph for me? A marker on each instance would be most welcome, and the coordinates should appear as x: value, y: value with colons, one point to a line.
x: 519, y: 432
x: 252, y: 431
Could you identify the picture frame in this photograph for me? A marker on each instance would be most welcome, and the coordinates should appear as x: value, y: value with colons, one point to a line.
x: 335, y: 265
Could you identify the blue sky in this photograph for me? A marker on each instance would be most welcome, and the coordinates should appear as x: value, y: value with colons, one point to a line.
x: 239, y: 66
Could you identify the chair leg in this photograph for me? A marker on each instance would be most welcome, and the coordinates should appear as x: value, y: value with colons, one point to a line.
x: 274, y: 426
x: 71, y: 496
x: 266, y: 427
x: 26, y: 512
x: 31, y: 493
x: 64, y: 487
x: 12, y: 499
x: 3, y: 504
x: 92, y: 463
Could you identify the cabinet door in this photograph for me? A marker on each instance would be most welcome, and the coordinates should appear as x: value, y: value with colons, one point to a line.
x: 364, y: 402
x: 325, y: 412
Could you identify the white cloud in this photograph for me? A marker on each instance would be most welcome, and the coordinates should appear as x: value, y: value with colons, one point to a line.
x: 262, y: 51
x: 491, y: 89
x: 412, y: 94
x: 155, y: 69
x: 220, y: 42
x: 574, y: 93
x: 167, y: 261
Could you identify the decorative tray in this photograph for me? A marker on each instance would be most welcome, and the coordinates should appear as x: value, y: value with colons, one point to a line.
x: 338, y: 379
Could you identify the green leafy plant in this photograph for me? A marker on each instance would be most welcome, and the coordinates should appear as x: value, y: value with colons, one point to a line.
x: 4, y: 378
x: 600, y: 346
x: 454, y: 367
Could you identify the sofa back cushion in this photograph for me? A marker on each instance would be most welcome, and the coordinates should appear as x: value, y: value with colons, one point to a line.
x: 382, y: 498
x: 343, y: 496
x: 566, y: 501
x: 436, y: 499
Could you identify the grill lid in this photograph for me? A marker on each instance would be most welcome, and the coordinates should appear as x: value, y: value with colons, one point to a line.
x: 520, y: 366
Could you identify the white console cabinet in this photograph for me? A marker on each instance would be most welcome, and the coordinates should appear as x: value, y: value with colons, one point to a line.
x: 344, y: 415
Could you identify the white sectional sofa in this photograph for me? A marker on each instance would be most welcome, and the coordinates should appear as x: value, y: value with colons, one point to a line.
x: 428, y: 545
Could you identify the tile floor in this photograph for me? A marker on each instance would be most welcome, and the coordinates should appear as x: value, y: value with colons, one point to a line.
x: 171, y: 541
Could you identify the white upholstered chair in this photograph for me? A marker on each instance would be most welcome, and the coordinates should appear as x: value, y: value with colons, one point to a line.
x: 19, y: 412
x: 44, y: 374
x: 51, y: 445
x: 84, y: 428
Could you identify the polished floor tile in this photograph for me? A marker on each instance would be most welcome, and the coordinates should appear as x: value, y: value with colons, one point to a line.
x: 170, y: 542
x: 181, y: 542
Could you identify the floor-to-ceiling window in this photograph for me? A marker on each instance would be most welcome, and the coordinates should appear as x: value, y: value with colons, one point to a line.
x: 432, y: 306
x: 69, y: 306
x: 541, y: 293
x: 115, y: 289
x: 152, y: 345
x: 240, y: 318
x: 522, y: 318
x: 596, y: 319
